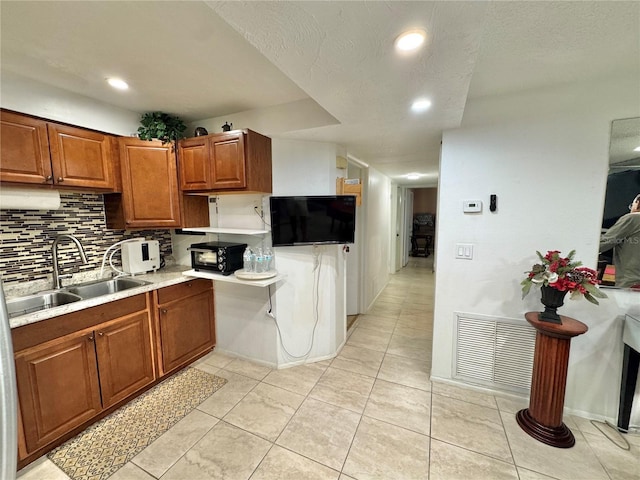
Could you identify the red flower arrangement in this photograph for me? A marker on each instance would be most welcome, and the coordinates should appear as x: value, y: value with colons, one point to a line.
x: 563, y: 274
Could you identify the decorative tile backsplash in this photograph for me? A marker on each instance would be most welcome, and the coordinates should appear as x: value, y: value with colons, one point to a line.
x: 26, y: 237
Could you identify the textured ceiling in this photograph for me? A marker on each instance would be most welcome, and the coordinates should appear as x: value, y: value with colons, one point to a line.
x: 209, y: 59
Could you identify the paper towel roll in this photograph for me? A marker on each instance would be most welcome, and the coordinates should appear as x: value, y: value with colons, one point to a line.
x: 15, y: 198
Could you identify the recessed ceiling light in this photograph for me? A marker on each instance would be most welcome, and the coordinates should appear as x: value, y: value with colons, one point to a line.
x: 421, y: 105
x: 637, y: 149
x: 118, y: 83
x: 413, y: 176
x: 410, y: 40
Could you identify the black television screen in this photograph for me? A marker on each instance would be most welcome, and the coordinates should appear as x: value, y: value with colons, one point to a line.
x: 312, y: 220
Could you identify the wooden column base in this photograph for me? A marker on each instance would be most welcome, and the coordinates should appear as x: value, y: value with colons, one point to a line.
x: 560, y: 437
x: 543, y: 419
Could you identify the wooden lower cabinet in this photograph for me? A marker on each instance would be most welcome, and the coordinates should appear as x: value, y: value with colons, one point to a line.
x: 70, y: 369
x: 125, y: 361
x: 186, y: 323
x: 58, y: 387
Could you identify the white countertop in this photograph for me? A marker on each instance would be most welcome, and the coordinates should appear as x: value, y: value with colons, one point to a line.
x: 233, y: 279
x: 163, y: 278
x: 631, y: 332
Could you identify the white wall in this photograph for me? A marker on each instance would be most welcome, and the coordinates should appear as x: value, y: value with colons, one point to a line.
x: 308, y: 168
x: 378, y: 228
x: 545, y: 154
x: 29, y: 96
x: 304, y: 168
x: 271, y: 121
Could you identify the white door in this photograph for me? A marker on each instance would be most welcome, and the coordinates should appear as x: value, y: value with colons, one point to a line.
x: 408, y: 224
x: 399, y: 229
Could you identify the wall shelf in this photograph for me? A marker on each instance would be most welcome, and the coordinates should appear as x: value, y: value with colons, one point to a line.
x: 232, y: 279
x: 233, y: 231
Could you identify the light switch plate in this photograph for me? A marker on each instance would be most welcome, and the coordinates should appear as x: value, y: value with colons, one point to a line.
x: 472, y: 206
x: 464, y: 251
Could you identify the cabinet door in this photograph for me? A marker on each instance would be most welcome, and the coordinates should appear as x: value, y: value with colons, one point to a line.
x: 228, y: 156
x: 24, y: 150
x: 80, y: 158
x: 187, y: 329
x: 125, y: 361
x: 149, y: 183
x: 57, y: 387
x: 194, y: 163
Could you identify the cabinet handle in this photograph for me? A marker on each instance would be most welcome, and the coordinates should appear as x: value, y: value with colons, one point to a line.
x: 90, y: 338
x: 60, y: 179
x: 101, y: 334
x: 189, y: 284
x: 48, y: 179
x: 164, y: 310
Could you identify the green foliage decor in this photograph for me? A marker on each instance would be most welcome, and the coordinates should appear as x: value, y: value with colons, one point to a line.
x: 163, y: 126
x: 565, y: 275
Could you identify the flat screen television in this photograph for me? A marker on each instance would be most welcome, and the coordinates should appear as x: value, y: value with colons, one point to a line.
x: 312, y: 220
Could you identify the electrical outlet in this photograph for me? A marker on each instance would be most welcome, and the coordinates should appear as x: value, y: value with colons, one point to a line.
x: 257, y: 207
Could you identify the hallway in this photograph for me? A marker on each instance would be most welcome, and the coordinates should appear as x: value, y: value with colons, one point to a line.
x: 370, y: 413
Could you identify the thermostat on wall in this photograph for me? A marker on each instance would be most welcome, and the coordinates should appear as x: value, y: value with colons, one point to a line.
x: 472, y: 206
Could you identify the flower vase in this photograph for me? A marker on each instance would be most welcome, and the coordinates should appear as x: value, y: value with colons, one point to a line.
x: 552, y: 299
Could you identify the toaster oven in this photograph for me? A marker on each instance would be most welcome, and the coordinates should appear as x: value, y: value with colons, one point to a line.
x: 219, y: 257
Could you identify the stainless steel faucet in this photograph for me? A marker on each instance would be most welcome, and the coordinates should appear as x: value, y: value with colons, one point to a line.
x: 57, y: 278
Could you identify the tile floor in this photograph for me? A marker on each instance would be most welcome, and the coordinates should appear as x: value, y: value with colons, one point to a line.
x: 370, y: 413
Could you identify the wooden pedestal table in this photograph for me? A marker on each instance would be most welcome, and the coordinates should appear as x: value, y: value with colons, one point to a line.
x: 543, y: 419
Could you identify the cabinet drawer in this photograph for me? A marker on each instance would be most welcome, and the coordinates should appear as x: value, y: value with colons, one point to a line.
x: 186, y: 289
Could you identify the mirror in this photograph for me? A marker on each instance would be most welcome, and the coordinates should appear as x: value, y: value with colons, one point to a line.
x: 623, y: 185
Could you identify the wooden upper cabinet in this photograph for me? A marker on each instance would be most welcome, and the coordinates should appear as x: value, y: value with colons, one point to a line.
x: 81, y: 158
x: 150, y: 196
x: 228, y: 158
x: 34, y: 151
x: 195, y: 168
x: 231, y: 162
x: 24, y: 147
x: 149, y: 183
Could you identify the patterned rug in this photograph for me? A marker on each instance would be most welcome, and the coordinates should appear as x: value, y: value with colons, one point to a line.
x: 103, y: 448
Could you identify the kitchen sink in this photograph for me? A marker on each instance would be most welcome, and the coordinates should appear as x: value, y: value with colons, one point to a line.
x: 73, y: 293
x: 39, y: 301
x: 104, y: 287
